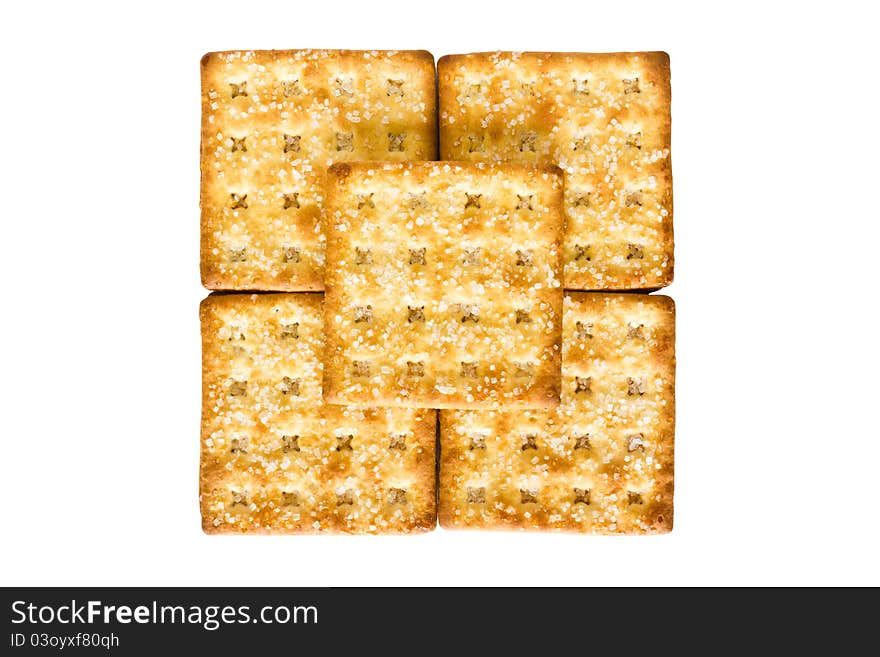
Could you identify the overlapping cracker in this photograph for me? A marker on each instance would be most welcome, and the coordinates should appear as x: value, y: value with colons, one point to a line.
x: 274, y: 457
x: 602, y: 462
x: 272, y: 122
x: 443, y: 285
x: 605, y: 120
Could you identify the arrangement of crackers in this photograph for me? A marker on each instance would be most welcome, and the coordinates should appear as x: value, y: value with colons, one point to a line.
x: 432, y: 292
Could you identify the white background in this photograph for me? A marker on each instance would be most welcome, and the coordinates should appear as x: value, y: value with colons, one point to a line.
x: 775, y: 113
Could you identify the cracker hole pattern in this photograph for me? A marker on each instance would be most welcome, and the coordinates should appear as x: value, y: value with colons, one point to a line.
x: 582, y: 496
x: 363, y: 314
x: 582, y: 441
x: 522, y: 316
x: 524, y: 370
x: 394, y: 87
x: 344, y: 141
x: 238, y: 388
x: 528, y: 142
x: 528, y: 496
x: 417, y: 200
x: 239, y: 349
x: 240, y: 498
x: 292, y: 254
x: 343, y: 443
x: 582, y: 252
x: 237, y: 89
x: 291, y: 88
x: 473, y: 90
x: 468, y: 369
x: 473, y: 201
x: 631, y: 86
x: 634, y: 332
x: 580, y: 144
x: 471, y: 256
x: 582, y: 200
x: 291, y: 200
x: 363, y: 256
x: 583, y: 384
x: 343, y: 87
x: 415, y: 314
x: 291, y: 143
x: 396, y: 496
x: 289, y: 386
x: 398, y: 442
x: 583, y: 331
x: 476, y: 144
x: 524, y: 201
x: 580, y: 87
x: 632, y: 199
x: 529, y: 441
x: 345, y: 498
x: 634, y: 252
x: 289, y: 498
x: 239, y: 145
x: 635, y: 386
x: 415, y: 368
x: 525, y: 257
x: 365, y: 201
x: 633, y: 497
x: 360, y: 368
x: 634, y: 140
x: 417, y: 256
x: 290, y: 331
x: 289, y: 443
x: 635, y: 442
x: 239, y: 201
x: 476, y: 495
x: 396, y: 142
x: 470, y: 313
x: 477, y: 441
x: 238, y: 254
x: 238, y: 446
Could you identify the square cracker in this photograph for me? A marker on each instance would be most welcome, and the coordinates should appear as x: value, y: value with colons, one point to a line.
x: 274, y: 457
x: 605, y: 120
x: 443, y: 285
x: 602, y: 462
x: 272, y: 122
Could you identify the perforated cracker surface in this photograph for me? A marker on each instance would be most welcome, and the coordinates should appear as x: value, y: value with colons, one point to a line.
x: 274, y: 458
x: 272, y: 122
x: 602, y: 462
x: 605, y: 120
x: 443, y: 285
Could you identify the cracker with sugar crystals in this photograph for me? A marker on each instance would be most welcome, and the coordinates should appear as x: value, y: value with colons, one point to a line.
x: 272, y: 122
x: 443, y: 285
x: 605, y: 120
x: 602, y: 462
x: 274, y: 457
